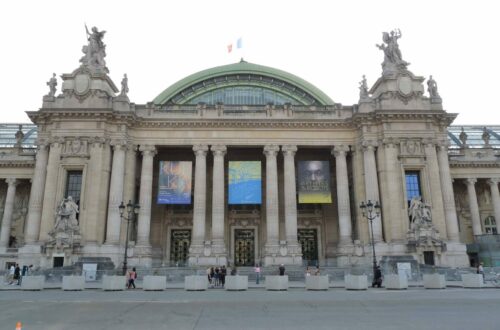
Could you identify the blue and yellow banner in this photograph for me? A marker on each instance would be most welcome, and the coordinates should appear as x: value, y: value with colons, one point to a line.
x: 314, y: 182
x: 174, y: 183
x: 245, y: 183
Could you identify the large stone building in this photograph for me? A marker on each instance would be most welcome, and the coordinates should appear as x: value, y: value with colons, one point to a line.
x: 244, y: 164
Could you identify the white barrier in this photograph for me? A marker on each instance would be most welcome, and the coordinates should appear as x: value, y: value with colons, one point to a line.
x: 396, y: 282
x: 195, y: 283
x: 434, y: 281
x: 236, y: 283
x: 114, y: 283
x: 154, y: 283
x: 356, y: 282
x: 317, y: 282
x: 472, y: 280
x: 73, y: 283
x: 33, y: 283
x: 277, y: 283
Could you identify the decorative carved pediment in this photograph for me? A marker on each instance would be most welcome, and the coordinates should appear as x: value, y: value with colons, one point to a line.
x: 411, y: 148
x: 75, y: 147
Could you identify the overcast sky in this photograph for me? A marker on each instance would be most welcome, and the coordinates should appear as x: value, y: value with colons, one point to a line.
x: 331, y: 44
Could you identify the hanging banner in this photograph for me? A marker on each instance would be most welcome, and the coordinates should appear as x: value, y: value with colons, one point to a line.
x: 314, y: 182
x: 245, y: 183
x: 174, y: 183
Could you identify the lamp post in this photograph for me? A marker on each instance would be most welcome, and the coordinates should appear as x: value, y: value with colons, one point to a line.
x: 131, y: 209
x: 371, y: 211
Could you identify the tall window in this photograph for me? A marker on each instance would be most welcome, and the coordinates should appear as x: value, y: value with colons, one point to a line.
x: 490, y: 225
x: 74, y: 186
x: 412, y: 185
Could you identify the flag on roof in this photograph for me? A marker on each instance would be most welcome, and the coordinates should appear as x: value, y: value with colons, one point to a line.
x: 239, y: 45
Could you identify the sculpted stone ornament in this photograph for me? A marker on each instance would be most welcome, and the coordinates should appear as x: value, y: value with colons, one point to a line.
x: 419, y: 213
x: 363, y: 90
x: 124, y: 89
x: 486, y: 137
x: 393, y: 60
x: 463, y: 138
x: 423, y: 236
x: 94, y: 51
x: 66, y: 231
x: 52, y: 83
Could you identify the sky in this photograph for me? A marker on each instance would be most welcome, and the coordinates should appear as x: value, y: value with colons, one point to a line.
x: 331, y: 44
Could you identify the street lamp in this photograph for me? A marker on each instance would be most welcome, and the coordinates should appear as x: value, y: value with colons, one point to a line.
x: 368, y: 209
x: 131, y: 209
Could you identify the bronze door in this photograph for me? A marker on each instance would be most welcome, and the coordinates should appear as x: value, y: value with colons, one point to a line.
x: 308, y: 240
x: 244, y: 247
x: 180, y: 239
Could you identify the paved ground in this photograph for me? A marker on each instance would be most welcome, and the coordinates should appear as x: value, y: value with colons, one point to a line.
x: 416, y: 308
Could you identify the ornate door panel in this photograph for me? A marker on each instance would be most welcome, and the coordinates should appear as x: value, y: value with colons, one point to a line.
x: 308, y: 240
x: 244, y: 247
x: 180, y: 239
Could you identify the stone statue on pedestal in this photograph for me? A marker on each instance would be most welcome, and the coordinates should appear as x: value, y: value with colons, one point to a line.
x: 393, y: 60
x: 66, y: 220
x: 363, y: 90
x: 463, y: 137
x: 419, y: 212
x: 95, y: 51
x: 52, y: 83
x: 432, y: 88
x: 486, y: 136
x: 124, y: 89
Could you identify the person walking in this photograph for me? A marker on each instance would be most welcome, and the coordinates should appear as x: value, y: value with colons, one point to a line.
x: 132, y: 275
x: 257, y: 273
x: 480, y: 270
x: 12, y: 270
x: 17, y: 274
x: 377, y: 280
x: 282, y: 270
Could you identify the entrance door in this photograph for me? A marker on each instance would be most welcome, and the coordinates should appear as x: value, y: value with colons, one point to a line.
x: 180, y: 239
x: 429, y: 258
x: 244, y: 247
x: 308, y: 240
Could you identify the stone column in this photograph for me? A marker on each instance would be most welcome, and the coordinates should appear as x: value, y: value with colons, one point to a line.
x: 495, y: 197
x: 371, y: 184
x: 474, y: 208
x: 218, y: 246
x: 145, y: 195
x: 344, y: 205
x: 448, y: 197
x: 7, y: 212
x: 436, y: 194
x: 272, y: 205
x: 36, y: 195
x: 200, y: 202
x: 115, y: 193
x: 49, y: 200
x: 290, y: 191
x: 129, y: 188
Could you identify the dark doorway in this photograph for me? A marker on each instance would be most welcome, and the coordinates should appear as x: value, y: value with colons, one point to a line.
x: 429, y: 258
x: 308, y: 240
x: 58, y: 262
x: 180, y: 239
x: 244, y: 247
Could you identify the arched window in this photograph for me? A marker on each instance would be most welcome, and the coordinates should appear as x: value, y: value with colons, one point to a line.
x: 490, y: 225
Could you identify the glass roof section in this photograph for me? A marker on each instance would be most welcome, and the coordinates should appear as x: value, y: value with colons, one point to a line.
x: 8, y: 135
x: 243, y: 96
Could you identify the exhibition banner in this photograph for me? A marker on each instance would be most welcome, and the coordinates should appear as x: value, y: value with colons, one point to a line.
x: 245, y: 182
x: 174, y: 183
x: 314, y: 182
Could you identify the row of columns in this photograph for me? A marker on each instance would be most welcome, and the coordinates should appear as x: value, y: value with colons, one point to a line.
x: 473, y: 204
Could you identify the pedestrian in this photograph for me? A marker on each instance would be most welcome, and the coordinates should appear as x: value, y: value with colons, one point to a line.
x: 209, y: 275
x: 223, y: 273
x: 132, y: 275
x: 377, y: 279
x: 282, y: 270
x: 12, y: 269
x: 480, y: 270
x: 234, y: 271
x: 317, y: 271
x: 17, y: 274
x: 308, y: 271
x: 257, y: 273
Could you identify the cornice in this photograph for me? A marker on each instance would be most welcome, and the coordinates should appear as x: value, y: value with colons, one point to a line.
x: 474, y: 164
x: 17, y: 164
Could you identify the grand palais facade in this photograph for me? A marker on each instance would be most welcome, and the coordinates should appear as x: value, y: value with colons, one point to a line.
x: 246, y: 164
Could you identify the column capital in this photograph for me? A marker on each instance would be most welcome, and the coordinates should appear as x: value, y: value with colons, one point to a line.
x: 97, y: 141
x: 443, y: 145
x: 12, y: 181
x: 493, y: 181
x: 390, y: 142
x: 271, y: 150
x: 131, y: 147
x: 147, y: 150
x: 42, y: 144
x: 118, y: 144
x: 470, y: 181
x: 289, y: 150
x: 369, y: 145
x: 56, y: 142
x: 218, y: 150
x: 200, y: 149
x: 430, y: 143
x: 340, y: 150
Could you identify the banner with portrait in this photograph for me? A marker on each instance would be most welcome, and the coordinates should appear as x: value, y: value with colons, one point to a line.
x: 245, y: 183
x: 314, y: 182
x: 174, y: 182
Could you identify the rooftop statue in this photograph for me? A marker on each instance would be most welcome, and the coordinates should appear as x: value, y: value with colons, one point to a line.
x: 94, y: 51
x: 363, y: 89
x: 393, y: 60
x: 124, y: 90
x: 432, y: 88
x: 52, y: 83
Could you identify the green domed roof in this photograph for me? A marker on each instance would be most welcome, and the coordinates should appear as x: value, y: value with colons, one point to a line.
x: 243, y: 74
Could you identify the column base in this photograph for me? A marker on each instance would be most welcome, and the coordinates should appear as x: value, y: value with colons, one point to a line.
x: 455, y: 255
x: 285, y: 253
x: 31, y: 254
x: 209, y: 254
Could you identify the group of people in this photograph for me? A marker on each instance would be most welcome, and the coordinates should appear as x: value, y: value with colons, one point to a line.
x: 315, y: 271
x: 217, y: 276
